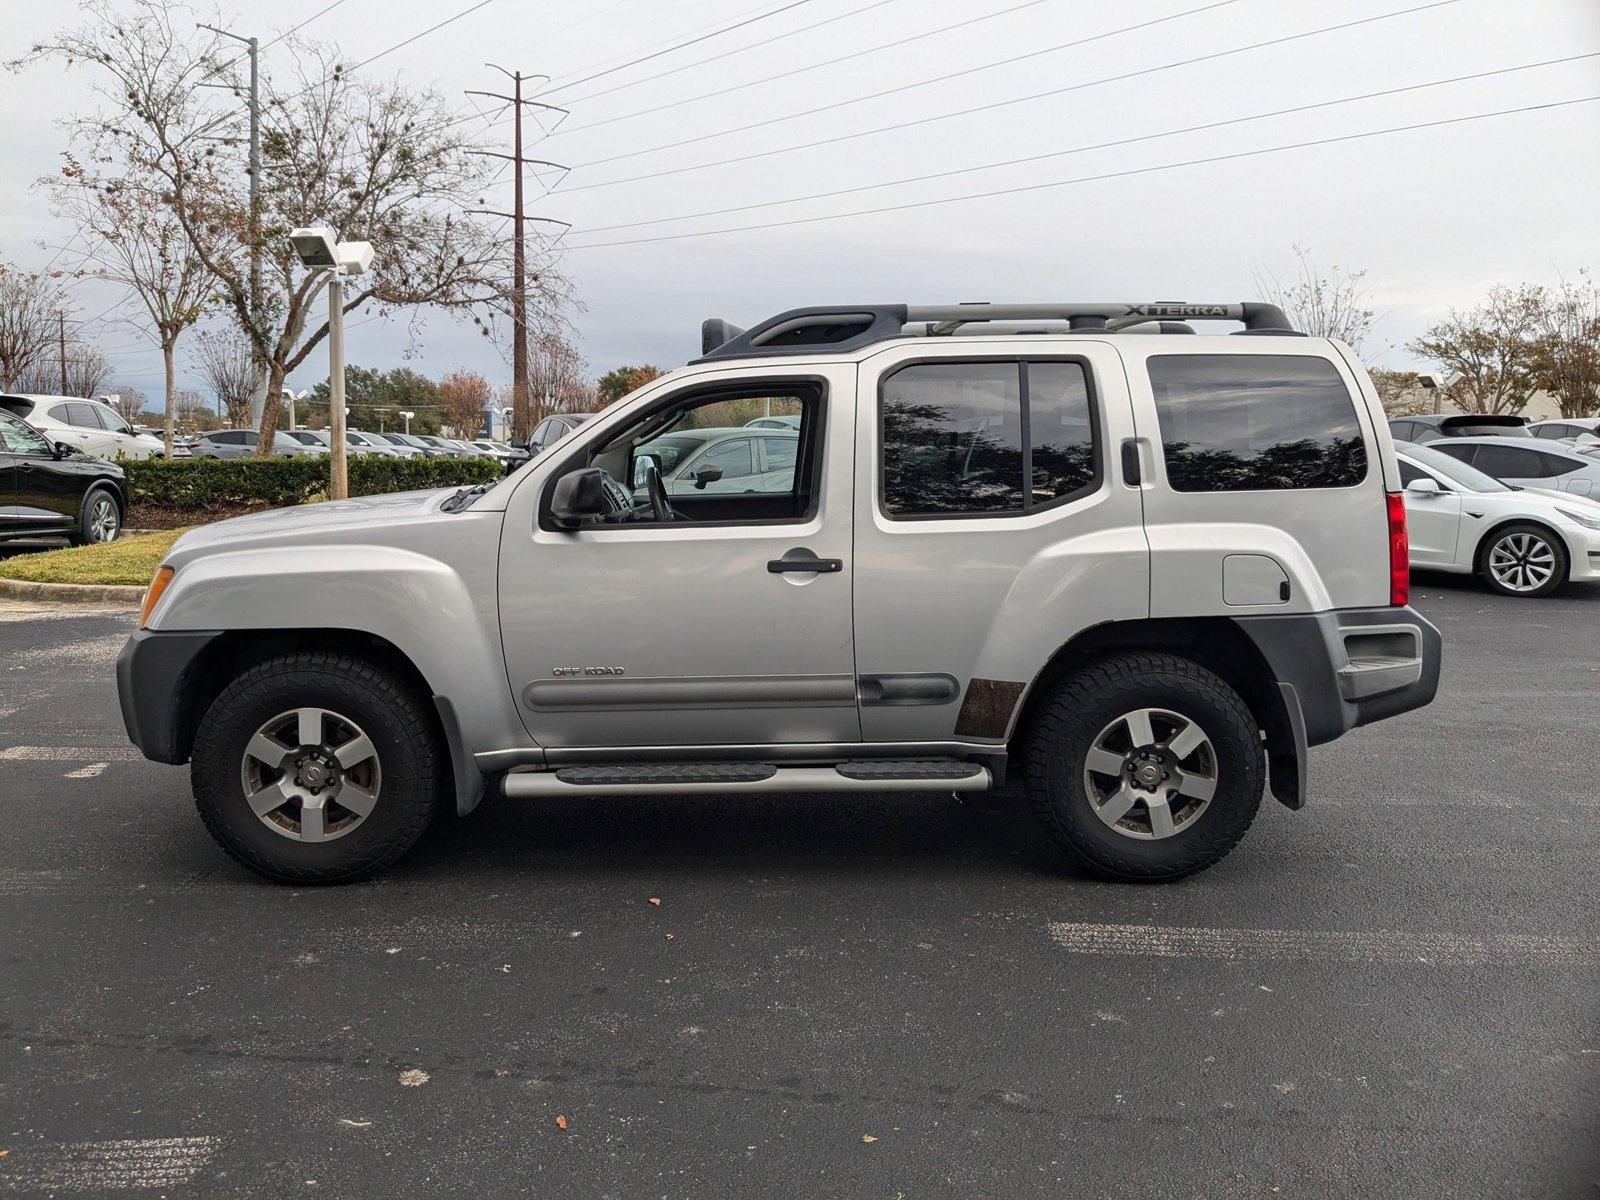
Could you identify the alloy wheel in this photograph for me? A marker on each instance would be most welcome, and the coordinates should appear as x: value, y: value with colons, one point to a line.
x: 1150, y: 773
x: 311, y: 774
x: 1522, y: 562
x: 102, y: 519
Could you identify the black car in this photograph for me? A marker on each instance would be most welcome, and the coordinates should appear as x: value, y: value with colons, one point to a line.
x: 1431, y: 428
x: 50, y: 490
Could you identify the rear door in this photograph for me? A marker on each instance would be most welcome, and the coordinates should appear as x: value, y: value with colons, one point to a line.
x: 990, y: 526
x: 1260, y: 449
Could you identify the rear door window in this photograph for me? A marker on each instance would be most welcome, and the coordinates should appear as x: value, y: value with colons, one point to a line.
x: 1244, y: 422
x: 1509, y: 462
x: 82, y: 416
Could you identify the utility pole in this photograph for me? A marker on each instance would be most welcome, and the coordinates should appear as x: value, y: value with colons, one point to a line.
x: 61, y: 343
x: 519, y: 297
x: 253, y: 48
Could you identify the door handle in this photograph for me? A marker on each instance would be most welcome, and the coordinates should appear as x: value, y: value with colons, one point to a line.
x: 801, y: 559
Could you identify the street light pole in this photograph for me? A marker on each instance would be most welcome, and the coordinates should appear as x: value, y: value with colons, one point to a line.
x: 338, y: 477
x: 406, y: 416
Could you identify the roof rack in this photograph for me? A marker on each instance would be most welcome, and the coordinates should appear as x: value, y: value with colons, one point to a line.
x: 849, y: 327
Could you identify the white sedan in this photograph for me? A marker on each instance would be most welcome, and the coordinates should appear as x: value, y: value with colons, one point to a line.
x: 1522, y: 542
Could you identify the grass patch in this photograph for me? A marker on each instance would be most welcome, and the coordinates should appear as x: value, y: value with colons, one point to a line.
x: 128, y: 560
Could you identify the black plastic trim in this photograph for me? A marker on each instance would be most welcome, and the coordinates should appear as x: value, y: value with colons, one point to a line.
x: 464, y: 771
x: 154, y: 671
x: 918, y: 688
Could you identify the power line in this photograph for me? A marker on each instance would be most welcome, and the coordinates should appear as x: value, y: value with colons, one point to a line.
x: 816, y: 66
x: 705, y: 37
x: 1035, y: 187
x: 466, y: 12
x: 997, y: 104
x: 561, y: 80
x: 1033, y: 158
x: 906, y: 87
x: 701, y: 62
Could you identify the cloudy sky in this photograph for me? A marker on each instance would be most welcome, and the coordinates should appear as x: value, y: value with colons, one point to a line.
x: 1116, y: 201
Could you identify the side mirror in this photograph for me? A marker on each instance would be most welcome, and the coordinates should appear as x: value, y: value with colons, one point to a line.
x: 520, y: 444
x: 705, y: 475
x: 62, y: 449
x: 643, y: 463
x: 1425, y: 486
x: 579, y: 496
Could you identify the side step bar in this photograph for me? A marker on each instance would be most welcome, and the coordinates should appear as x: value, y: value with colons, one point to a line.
x: 888, y: 775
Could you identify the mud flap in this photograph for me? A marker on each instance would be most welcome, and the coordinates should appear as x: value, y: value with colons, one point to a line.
x: 1286, y: 760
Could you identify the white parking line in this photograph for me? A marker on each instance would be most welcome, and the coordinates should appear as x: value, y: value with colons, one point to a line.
x: 76, y: 754
x: 1320, y: 945
x: 106, y: 1166
x: 86, y: 772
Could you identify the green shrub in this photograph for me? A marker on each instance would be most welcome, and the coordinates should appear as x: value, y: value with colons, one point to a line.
x: 198, y: 483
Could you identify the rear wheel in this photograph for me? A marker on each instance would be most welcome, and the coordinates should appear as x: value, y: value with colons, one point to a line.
x: 317, y: 767
x: 1523, y: 560
x: 1145, y: 767
x: 99, y: 518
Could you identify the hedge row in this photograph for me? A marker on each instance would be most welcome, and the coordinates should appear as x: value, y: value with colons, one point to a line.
x: 279, y: 482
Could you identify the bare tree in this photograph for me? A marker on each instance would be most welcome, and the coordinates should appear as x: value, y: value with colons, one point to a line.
x: 373, y: 160
x: 1566, y: 345
x: 1490, y: 348
x: 131, y: 237
x: 88, y: 371
x: 29, y: 303
x: 557, y: 376
x: 227, y: 364
x: 1331, y: 304
x: 194, y: 415
x: 84, y: 372
x: 129, y: 402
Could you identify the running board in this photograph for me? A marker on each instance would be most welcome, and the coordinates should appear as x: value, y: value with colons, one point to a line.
x: 887, y: 775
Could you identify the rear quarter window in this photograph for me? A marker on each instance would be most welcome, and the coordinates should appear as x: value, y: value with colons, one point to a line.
x: 1248, y: 422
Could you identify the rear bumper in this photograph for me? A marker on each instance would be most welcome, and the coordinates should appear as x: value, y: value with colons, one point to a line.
x: 1349, y: 667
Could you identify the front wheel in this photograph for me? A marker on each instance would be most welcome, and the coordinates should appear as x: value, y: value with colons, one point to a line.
x: 1145, y: 767
x: 317, y: 767
x: 1523, y: 560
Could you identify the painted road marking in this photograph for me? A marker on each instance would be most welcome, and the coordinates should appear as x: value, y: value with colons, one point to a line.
x: 1321, y: 945
x: 76, y: 754
x: 106, y: 1166
x: 88, y: 772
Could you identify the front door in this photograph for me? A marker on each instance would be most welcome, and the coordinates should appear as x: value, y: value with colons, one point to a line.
x: 38, y: 493
x: 1433, y: 519
x: 707, y: 630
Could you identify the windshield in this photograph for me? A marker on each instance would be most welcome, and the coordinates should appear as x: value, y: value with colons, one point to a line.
x: 1456, y: 471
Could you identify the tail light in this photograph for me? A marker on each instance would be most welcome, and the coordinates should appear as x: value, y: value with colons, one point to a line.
x: 1399, y: 550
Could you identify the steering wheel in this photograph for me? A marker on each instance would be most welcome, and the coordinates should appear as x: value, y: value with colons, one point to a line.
x: 660, y: 507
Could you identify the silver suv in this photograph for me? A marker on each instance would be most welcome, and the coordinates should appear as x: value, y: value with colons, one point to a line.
x: 1137, y: 573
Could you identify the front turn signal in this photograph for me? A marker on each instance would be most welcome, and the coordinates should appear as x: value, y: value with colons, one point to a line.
x: 152, y: 594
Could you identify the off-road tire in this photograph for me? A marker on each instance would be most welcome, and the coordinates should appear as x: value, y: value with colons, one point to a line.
x: 415, y: 764
x: 1072, y: 715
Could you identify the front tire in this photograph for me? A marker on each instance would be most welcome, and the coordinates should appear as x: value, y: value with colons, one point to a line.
x: 1523, y: 560
x: 1144, y: 767
x: 317, y: 767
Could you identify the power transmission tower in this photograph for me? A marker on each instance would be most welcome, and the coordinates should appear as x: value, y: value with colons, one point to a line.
x: 522, y: 419
x: 253, y: 50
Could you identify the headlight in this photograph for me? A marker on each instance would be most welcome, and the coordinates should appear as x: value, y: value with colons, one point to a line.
x: 1585, y: 519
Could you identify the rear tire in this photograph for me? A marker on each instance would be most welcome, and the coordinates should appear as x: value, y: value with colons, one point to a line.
x: 99, y: 518
x: 323, y: 798
x: 1144, y: 767
x: 1523, y: 560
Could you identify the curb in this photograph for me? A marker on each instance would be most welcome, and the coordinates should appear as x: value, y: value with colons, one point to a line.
x: 72, y: 593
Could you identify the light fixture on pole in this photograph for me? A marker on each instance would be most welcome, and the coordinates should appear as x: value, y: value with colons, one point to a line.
x: 292, y: 396
x: 320, y: 250
x: 408, y: 416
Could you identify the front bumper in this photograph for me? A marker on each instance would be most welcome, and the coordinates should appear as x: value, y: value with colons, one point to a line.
x: 154, y: 676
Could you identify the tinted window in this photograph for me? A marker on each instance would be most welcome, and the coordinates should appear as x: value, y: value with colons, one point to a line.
x: 1400, y: 431
x: 1233, y: 422
x: 20, y: 438
x: 1410, y: 474
x: 1454, y: 450
x: 780, y: 452
x: 1427, y: 433
x: 1509, y: 462
x: 735, y: 459
x: 110, y: 420
x: 81, y: 415
x: 953, y: 437
x: 1552, y: 465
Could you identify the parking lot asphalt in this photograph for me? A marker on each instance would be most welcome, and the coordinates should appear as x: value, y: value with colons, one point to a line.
x: 1390, y: 993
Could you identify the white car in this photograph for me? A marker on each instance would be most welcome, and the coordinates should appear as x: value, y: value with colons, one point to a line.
x: 356, y: 443
x: 85, y: 425
x: 1523, y: 542
x: 1577, y: 432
